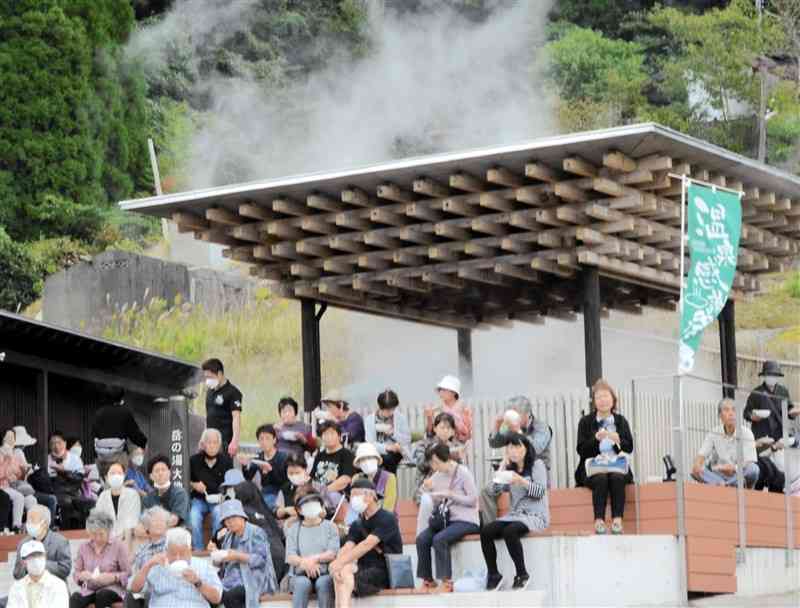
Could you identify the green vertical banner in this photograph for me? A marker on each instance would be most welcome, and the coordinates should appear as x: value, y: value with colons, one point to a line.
x: 714, y: 227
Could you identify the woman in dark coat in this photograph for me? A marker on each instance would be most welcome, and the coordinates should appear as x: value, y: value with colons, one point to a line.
x: 607, y: 433
x: 257, y: 513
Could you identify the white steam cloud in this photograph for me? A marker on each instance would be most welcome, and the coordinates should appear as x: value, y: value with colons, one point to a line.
x: 429, y: 83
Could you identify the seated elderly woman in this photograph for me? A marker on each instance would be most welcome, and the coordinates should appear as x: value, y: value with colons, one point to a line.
x: 604, y: 445
x: 371, y: 464
x: 715, y: 464
x: 13, y: 469
x: 102, y: 566
x: 312, y: 543
x: 120, y: 503
x: 174, y: 578
x: 243, y: 556
x: 155, y: 522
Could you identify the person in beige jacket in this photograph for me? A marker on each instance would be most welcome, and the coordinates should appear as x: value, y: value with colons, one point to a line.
x: 121, y: 503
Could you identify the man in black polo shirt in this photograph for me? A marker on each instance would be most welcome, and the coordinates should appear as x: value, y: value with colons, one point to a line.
x: 373, y: 535
x: 223, y: 405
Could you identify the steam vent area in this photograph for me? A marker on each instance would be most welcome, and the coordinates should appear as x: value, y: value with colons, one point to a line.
x: 489, y: 236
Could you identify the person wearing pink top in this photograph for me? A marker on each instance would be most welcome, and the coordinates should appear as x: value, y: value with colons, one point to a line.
x: 102, y: 567
x: 13, y: 468
x: 449, y: 389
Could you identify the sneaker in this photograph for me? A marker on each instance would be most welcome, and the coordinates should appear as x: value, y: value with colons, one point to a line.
x: 494, y: 582
x: 521, y: 582
x: 616, y: 527
x: 600, y: 527
x: 445, y: 587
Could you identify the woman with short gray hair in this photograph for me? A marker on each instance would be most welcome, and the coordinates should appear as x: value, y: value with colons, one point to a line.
x: 102, y: 566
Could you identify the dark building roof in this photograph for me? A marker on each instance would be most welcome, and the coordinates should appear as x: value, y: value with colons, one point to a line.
x: 27, y: 341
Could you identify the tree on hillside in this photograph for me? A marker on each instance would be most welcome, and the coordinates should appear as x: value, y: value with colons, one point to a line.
x: 599, y: 80
x: 71, y: 115
x: 787, y: 14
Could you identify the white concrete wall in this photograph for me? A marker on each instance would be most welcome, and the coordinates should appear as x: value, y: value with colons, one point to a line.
x: 591, y: 570
x: 766, y: 571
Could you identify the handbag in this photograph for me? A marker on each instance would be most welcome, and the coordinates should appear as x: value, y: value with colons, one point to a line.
x: 604, y: 464
x: 40, y: 481
x: 440, y: 518
x: 401, y: 574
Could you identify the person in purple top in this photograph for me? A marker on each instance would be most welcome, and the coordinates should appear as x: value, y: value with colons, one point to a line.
x: 351, y: 423
x: 294, y: 436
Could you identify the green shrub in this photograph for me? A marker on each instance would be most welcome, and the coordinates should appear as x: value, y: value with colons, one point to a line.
x: 793, y: 285
x: 21, y: 282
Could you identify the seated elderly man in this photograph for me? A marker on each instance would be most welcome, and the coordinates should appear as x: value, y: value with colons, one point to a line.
x: 155, y: 522
x: 207, y: 472
x: 360, y: 567
x: 244, y: 558
x: 174, y: 578
x: 59, y: 558
x: 38, y: 588
x: 716, y: 462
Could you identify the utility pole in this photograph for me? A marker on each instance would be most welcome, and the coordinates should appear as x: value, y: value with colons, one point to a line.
x: 762, y: 106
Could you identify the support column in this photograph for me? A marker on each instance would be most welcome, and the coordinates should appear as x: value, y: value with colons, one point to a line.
x: 727, y: 348
x: 312, y: 371
x: 591, y: 325
x: 43, y: 405
x: 465, y: 371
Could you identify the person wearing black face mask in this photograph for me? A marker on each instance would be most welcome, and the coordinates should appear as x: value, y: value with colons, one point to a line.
x: 311, y: 544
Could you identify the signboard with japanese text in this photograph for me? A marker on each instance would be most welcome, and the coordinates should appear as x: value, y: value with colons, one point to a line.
x: 714, y: 227
x: 179, y: 442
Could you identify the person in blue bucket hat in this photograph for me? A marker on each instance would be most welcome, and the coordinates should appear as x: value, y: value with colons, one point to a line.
x: 243, y: 557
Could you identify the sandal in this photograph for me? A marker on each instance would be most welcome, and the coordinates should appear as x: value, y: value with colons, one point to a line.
x: 428, y: 586
x: 445, y: 587
x: 600, y: 527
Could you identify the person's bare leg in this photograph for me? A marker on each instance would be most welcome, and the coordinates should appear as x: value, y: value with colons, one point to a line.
x: 343, y: 585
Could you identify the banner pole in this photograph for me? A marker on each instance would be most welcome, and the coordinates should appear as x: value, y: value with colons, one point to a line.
x: 683, y: 244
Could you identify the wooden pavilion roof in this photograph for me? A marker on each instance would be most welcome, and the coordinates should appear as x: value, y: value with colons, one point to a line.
x: 493, y: 235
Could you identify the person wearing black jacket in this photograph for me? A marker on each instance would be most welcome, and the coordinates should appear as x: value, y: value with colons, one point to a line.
x: 769, y: 396
x: 603, y: 431
x: 113, y: 429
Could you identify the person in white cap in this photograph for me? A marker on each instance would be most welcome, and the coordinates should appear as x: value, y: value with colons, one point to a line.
x: 39, y: 588
x: 369, y: 461
x: 449, y: 391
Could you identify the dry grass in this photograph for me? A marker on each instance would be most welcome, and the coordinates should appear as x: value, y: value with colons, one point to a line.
x: 259, y: 345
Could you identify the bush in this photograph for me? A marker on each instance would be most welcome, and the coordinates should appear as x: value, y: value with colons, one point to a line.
x: 21, y: 282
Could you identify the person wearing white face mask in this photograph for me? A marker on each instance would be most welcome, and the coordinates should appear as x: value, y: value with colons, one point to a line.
x: 223, y: 405
x: 120, y: 503
x: 166, y: 494
x: 135, y: 477
x: 297, y: 477
x: 58, y: 558
x: 369, y: 461
x: 360, y: 568
x: 311, y: 544
x: 764, y: 411
x: 39, y: 588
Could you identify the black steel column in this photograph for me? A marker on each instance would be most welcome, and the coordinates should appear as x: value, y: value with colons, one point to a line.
x: 591, y: 325
x: 465, y: 371
x: 312, y: 370
x: 727, y: 349
x: 43, y: 404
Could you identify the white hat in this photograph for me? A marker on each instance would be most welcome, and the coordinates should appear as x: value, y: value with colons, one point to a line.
x: 30, y: 548
x: 364, y: 451
x: 450, y: 383
x: 23, y: 439
x: 334, y: 396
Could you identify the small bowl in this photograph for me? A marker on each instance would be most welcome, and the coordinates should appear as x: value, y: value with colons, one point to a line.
x: 503, y: 477
x: 219, y: 555
x: 762, y: 413
x: 213, y: 499
x: 289, y: 435
x: 382, y: 427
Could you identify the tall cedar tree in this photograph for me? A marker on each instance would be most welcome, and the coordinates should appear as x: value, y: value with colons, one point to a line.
x: 71, y: 115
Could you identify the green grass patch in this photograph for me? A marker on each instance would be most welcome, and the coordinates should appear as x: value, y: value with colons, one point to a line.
x: 778, y: 306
